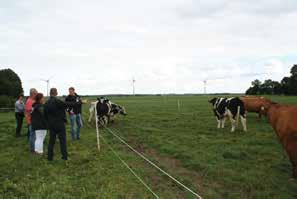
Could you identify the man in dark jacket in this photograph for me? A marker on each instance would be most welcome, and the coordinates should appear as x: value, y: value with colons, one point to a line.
x: 56, y: 118
x: 74, y: 113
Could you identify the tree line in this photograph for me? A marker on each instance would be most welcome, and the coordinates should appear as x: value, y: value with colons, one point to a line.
x: 10, y: 87
x: 287, y: 86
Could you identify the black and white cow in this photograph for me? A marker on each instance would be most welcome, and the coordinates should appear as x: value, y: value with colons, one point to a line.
x: 92, y: 109
x: 229, y: 107
x: 106, y: 110
x: 115, y: 110
x: 103, y: 108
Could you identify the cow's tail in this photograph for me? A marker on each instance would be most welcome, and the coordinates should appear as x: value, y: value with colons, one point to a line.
x: 237, y: 115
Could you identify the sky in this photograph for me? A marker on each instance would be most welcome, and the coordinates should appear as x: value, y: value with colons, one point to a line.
x: 168, y: 46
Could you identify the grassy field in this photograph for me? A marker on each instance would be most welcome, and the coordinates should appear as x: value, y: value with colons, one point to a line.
x: 215, y: 163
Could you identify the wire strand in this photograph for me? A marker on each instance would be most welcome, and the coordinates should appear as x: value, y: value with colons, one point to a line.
x: 129, y: 168
x: 153, y: 164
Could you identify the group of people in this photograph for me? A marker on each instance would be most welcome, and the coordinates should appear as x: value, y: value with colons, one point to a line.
x: 42, y: 115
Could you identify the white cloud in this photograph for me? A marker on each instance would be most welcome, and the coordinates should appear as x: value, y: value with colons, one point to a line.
x: 168, y: 46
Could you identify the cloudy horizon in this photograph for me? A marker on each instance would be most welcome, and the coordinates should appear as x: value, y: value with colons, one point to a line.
x: 168, y: 46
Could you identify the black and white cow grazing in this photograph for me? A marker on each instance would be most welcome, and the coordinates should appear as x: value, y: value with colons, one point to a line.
x: 116, y: 109
x: 106, y: 110
x: 231, y: 107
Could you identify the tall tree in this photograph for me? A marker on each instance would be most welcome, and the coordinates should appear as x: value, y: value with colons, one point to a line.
x: 294, y: 70
x: 255, y: 88
x: 10, y: 83
x: 267, y: 87
x: 285, y: 85
x: 292, y: 89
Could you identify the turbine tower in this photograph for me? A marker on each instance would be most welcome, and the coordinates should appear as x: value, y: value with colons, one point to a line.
x: 133, y: 84
x: 47, y: 84
x: 205, y: 82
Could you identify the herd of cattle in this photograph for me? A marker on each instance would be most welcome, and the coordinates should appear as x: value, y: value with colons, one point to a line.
x: 283, y: 118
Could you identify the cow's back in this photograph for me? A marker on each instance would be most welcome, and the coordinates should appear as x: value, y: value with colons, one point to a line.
x: 253, y: 104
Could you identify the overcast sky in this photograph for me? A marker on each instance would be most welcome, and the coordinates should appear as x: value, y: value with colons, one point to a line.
x: 169, y: 46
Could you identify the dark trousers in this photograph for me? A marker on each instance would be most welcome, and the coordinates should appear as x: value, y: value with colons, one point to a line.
x: 19, y: 123
x: 61, y: 133
x: 28, y: 132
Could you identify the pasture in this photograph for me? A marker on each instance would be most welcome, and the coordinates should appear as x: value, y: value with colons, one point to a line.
x: 186, y: 143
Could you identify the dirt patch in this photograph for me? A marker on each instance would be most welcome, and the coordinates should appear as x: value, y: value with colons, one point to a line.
x: 171, y: 165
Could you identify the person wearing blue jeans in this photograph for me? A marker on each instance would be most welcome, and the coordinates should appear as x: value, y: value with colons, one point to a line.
x: 74, y: 113
x: 76, y: 124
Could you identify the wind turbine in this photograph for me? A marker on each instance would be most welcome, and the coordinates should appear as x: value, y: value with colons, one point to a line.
x: 47, y: 84
x: 205, y: 82
x: 229, y: 77
x: 133, y: 84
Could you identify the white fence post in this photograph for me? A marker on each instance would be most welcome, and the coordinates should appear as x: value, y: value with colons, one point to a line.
x: 97, y: 129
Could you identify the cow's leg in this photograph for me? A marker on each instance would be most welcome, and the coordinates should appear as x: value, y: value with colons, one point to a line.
x: 91, y: 111
x: 243, y: 122
x: 290, y: 145
x: 262, y: 112
x: 259, y: 115
x: 100, y: 123
x: 108, y: 119
x: 233, y: 124
x: 219, y: 123
x: 111, y: 118
x: 232, y: 120
x: 223, y: 122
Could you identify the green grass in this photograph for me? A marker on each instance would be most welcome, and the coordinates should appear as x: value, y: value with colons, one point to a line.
x: 215, y: 163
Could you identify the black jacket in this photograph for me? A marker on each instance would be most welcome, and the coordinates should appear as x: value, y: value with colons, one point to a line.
x: 76, y: 108
x: 55, y: 112
x: 38, y: 117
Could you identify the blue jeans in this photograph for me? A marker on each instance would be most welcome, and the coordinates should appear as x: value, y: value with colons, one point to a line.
x: 76, y: 124
x: 32, y: 138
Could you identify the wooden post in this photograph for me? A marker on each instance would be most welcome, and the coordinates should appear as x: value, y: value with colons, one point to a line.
x: 97, y: 128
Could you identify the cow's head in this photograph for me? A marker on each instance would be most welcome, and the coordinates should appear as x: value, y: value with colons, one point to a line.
x: 213, y: 100
x: 106, y: 101
x: 101, y: 99
x: 266, y: 104
x: 122, y: 111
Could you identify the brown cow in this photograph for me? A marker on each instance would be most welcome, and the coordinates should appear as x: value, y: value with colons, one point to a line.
x: 255, y: 104
x: 283, y: 119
